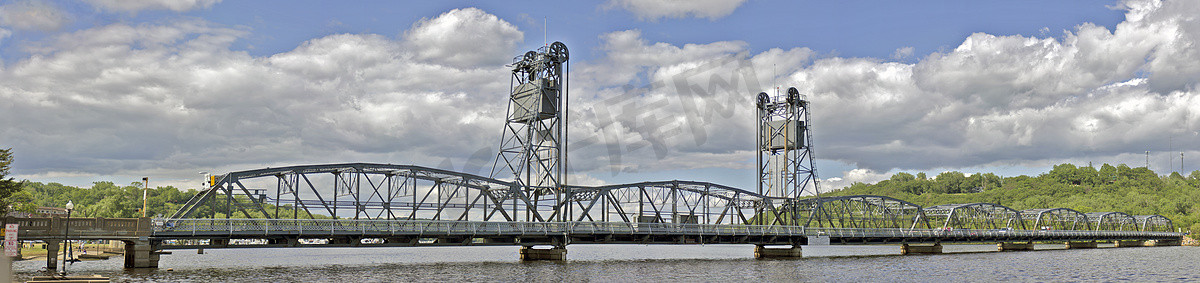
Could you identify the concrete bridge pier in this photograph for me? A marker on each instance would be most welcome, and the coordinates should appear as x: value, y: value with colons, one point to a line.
x: 907, y: 249
x: 52, y: 253
x: 528, y: 253
x: 1125, y: 244
x: 1014, y: 246
x: 1164, y: 243
x: 142, y: 254
x: 1080, y: 245
x: 761, y: 252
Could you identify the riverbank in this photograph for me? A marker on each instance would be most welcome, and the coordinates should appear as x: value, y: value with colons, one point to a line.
x: 1188, y: 241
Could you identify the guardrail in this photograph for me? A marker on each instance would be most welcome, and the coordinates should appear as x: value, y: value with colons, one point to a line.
x: 53, y: 227
x: 246, y: 227
x: 430, y: 227
x: 978, y: 233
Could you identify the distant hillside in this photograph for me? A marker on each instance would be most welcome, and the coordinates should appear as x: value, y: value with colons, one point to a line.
x: 1136, y: 191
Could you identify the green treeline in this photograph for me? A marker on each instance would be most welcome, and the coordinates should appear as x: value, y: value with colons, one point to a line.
x: 105, y: 199
x: 1137, y: 191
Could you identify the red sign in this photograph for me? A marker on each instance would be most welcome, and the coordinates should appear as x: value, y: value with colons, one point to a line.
x: 12, y: 247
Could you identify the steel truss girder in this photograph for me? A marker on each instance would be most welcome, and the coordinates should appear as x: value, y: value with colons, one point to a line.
x: 1154, y: 223
x: 1112, y: 221
x: 669, y: 201
x: 860, y: 211
x: 1055, y: 219
x: 387, y: 191
x: 373, y: 191
x: 975, y: 216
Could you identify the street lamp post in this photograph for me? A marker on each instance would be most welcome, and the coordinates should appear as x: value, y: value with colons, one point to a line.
x: 145, y: 193
x: 66, y: 233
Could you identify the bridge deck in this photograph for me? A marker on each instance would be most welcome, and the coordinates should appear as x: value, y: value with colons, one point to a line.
x: 422, y: 232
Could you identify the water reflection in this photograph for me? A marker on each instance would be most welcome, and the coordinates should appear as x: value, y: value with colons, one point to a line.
x: 652, y: 262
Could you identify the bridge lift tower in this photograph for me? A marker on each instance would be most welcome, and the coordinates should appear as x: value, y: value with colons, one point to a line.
x: 786, y: 167
x: 533, y: 144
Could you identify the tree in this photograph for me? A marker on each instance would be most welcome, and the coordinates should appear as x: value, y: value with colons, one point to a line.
x: 9, y: 187
x: 949, y: 182
x: 903, y: 177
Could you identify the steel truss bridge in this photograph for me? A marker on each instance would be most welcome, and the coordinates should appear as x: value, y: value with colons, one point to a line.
x: 365, y: 205
x: 361, y: 204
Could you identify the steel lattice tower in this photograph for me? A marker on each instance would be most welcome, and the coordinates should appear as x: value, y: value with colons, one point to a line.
x: 533, y: 143
x: 786, y: 167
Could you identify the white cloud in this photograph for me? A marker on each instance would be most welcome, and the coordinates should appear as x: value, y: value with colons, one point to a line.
x: 465, y: 37
x: 850, y: 177
x: 171, y: 98
x: 134, y: 6
x: 166, y: 99
x: 903, y: 52
x: 656, y: 9
x: 992, y: 100
x: 4, y: 33
x: 32, y: 15
x: 649, y: 106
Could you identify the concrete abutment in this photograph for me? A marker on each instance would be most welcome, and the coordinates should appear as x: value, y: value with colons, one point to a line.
x: 762, y: 252
x: 1028, y: 246
x: 528, y: 253
x: 1164, y: 243
x: 1080, y: 245
x: 907, y: 249
x: 142, y: 254
x: 52, y: 254
x: 1125, y: 244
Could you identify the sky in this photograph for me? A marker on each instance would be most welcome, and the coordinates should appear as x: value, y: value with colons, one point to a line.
x: 117, y: 90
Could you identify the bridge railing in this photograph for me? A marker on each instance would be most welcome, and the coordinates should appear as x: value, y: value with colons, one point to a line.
x: 431, y: 227
x: 977, y: 233
x: 248, y: 227
x: 35, y: 228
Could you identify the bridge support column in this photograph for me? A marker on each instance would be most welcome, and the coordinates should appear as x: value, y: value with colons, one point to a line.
x: 141, y: 254
x: 761, y: 251
x: 1080, y: 245
x: 907, y: 249
x: 1014, y: 246
x: 52, y: 253
x: 1131, y: 243
x: 1163, y: 243
x: 530, y: 254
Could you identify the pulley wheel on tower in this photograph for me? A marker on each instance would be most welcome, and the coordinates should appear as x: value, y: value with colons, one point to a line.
x: 558, y: 51
x: 530, y: 57
x: 793, y: 97
x: 763, y: 100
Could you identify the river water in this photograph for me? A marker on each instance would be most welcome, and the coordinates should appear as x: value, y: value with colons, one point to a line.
x: 692, y: 263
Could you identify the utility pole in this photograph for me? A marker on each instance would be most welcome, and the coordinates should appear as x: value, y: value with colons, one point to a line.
x: 145, y: 193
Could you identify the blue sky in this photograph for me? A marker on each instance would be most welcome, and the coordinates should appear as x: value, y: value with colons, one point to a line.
x: 846, y: 28
x: 114, y: 90
x: 849, y: 28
